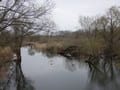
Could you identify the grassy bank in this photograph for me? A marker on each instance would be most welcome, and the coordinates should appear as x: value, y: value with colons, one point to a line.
x: 6, y: 55
x: 5, y: 52
x: 66, y: 49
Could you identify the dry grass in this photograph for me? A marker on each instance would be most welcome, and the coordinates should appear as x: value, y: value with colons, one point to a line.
x: 54, y: 47
x: 37, y: 46
x: 6, y: 52
x: 40, y: 47
x: 51, y: 46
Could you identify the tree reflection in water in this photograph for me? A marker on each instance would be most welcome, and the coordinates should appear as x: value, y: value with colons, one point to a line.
x: 73, y: 64
x: 32, y: 51
x: 15, y: 79
x: 104, y: 75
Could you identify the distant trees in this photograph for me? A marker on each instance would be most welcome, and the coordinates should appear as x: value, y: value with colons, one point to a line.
x: 98, y: 35
x: 113, y: 17
x: 110, y: 26
x: 103, y: 29
x: 86, y: 23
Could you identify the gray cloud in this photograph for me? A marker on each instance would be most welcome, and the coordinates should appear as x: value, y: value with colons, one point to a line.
x: 67, y: 12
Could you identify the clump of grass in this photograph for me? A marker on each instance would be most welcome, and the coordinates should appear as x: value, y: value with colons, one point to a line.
x: 6, y: 55
x: 37, y: 46
x: 54, y: 47
x: 6, y: 52
x: 40, y: 47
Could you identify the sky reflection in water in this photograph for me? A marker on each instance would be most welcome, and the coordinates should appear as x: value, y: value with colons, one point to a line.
x: 39, y: 72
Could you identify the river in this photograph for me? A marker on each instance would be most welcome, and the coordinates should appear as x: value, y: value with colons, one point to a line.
x: 39, y: 71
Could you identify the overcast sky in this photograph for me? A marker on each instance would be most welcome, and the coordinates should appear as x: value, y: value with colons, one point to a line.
x: 67, y: 12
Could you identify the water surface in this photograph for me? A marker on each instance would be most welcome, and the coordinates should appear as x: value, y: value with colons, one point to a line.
x: 56, y: 73
x: 37, y: 71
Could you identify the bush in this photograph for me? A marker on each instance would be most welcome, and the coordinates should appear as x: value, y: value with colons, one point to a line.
x: 92, y: 47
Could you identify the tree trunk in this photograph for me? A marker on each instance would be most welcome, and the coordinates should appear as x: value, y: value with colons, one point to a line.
x: 18, y: 54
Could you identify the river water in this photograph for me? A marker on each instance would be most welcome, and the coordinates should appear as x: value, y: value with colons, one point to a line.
x: 39, y: 71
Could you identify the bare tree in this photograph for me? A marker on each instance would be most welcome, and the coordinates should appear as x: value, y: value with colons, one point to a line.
x: 112, y: 24
x: 11, y: 11
x: 22, y: 17
x: 86, y: 22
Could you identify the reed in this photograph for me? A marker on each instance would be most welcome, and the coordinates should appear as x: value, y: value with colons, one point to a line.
x: 6, y: 52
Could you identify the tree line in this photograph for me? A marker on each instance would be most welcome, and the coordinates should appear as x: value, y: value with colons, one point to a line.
x: 98, y: 35
x: 21, y: 21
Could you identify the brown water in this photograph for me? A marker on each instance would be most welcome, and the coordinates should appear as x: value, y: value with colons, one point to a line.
x: 40, y: 72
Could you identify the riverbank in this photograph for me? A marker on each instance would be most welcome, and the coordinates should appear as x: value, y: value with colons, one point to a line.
x: 58, y: 48
x: 71, y: 51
